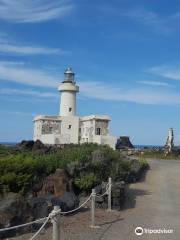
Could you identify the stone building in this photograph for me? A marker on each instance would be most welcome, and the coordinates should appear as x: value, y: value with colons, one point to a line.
x: 67, y: 127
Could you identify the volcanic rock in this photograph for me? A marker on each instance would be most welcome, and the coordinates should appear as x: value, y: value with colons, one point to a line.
x: 124, y: 143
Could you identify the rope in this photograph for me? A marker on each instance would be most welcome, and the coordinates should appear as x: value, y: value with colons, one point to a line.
x: 51, y: 215
x: 106, y: 192
x: 54, y: 213
x: 74, y: 210
x: 42, y: 219
x: 41, y: 228
x: 22, y: 225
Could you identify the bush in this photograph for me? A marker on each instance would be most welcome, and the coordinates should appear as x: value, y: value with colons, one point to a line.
x: 143, y: 163
x: 87, y: 182
x: 18, y: 171
x: 4, y: 149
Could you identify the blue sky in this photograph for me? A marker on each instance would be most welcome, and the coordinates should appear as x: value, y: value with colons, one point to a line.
x: 125, y: 54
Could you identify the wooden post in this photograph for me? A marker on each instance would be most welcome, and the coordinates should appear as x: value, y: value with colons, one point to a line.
x: 56, y: 224
x: 93, y: 197
x: 109, y: 194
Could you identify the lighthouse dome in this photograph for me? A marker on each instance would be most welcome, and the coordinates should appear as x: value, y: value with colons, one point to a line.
x: 69, y: 75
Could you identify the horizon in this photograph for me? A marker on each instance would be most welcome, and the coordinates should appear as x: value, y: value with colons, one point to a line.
x: 136, y: 145
x: 124, y: 55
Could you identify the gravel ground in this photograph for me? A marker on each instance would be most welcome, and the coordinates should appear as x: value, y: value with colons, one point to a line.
x: 153, y: 203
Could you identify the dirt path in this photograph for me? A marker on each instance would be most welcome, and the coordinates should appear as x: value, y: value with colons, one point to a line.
x: 153, y: 203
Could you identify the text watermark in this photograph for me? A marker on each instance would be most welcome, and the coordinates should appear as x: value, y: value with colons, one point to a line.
x: 140, y: 231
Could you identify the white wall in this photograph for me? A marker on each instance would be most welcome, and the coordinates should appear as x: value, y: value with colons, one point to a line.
x: 68, y: 100
x: 57, y: 130
x: 47, y: 139
x: 70, y: 135
x: 37, y: 130
x: 106, y: 140
x: 109, y: 140
x: 87, y: 130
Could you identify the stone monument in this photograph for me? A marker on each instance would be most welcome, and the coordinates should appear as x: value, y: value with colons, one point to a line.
x: 170, y: 141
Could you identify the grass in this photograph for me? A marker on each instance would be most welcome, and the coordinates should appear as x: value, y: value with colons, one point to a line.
x: 158, y: 155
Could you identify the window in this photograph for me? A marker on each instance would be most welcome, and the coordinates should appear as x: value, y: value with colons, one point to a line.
x: 98, y: 131
x: 69, y: 126
x: 50, y: 130
x: 70, y: 109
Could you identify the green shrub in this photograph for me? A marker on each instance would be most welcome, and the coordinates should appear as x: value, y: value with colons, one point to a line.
x: 19, y: 171
x: 143, y: 163
x: 4, y: 149
x: 87, y: 182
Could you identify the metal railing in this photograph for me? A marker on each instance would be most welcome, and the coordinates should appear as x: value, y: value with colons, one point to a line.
x: 54, y: 216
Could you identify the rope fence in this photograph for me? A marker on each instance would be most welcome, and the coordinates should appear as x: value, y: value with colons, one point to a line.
x: 54, y: 216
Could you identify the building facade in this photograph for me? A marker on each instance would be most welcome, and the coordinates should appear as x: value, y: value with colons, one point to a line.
x: 67, y: 127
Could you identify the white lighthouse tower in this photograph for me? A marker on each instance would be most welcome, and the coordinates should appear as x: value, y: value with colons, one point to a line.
x: 67, y: 127
x: 68, y: 90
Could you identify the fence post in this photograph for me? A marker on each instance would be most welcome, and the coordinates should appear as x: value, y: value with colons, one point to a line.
x: 56, y: 224
x: 93, y: 197
x: 109, y: 194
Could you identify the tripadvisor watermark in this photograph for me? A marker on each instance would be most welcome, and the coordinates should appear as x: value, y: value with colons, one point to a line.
x: 140, y: 231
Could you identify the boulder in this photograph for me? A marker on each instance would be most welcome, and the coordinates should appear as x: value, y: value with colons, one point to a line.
x: 38, y: 147
x: 26, y: 145
x: 40, y: 206
x: 56, y: 184
x: 124, y: 143
x: 16, y: 210
x: 118, y: 193
x: 36, y: 187
x: 67, y: 202
x: 13, y: 211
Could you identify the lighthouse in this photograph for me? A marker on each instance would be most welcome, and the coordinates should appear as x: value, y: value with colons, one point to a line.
x: 69, y: 128
x: 68, y: 90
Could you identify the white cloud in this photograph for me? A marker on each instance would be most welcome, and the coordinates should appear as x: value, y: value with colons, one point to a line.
x: 166, y: 71
x: 142, y: 96
x: 13, y: 72
x: 15, y: 49
x: 11, y: 63
x: 32, y: 77
x: 9, y: 46
x: 155, y: 83
x: 31, y: 11
x: 160, y: 24
x: 18, y: 113
x: 27, y: 92
x: 141, y: 14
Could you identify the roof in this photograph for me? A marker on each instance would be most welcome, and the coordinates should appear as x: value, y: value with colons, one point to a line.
x: 96, y: 117
x: 46, y: 117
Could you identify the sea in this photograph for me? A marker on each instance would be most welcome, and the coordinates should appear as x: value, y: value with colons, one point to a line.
x: 8, y: 143
x: 147, y: 146
x: 136, y: 146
